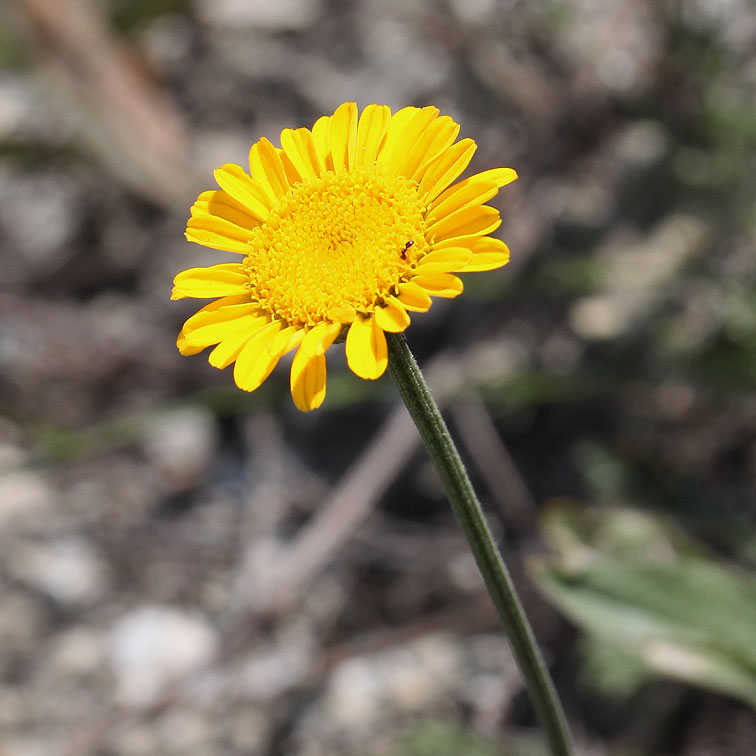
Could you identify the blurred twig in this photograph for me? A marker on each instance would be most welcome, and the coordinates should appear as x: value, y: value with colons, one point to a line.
x: 362, y: 486
x: 101, y: 89
x: 493, y: 461
x: 348, y: 505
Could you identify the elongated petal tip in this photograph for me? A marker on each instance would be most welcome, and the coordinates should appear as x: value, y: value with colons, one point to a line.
x: 366, y: 349
x: 308, y: 380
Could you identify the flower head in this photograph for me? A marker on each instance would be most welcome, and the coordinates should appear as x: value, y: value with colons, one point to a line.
x: 346, y: 228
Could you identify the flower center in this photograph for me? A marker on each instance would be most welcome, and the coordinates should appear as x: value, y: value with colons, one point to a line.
x: 337, y: 242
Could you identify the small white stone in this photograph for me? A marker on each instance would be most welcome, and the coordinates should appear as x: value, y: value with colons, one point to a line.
x: 408, y: 684
x: 273, y: 15
x: 354, y: 694
x: 11, y: 455
x: 181, y: 443
x: 29, y: 745
x: 68, y: 570
x: 601, y: 316
x: 167, y: 40
x: 641, y: 143
x: 17, y: 105
x: 406, y: 679
x: 24, y: 497
x: 41, y: 214
x: 464, y: 573
x: 474, y: 11
x: 154, y: 646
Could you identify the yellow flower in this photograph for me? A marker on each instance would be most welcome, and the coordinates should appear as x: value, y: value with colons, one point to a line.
x: 347, y: 228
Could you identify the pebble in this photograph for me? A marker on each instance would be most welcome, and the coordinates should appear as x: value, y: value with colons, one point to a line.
x: 279, y: 667
x: 354, y: 694
x: 155, y: 646
x: 41, y: 213
x: 30, y: 745
x: 474, y: 11
x: 25, y: 497
x: 68, y: 570
x: 182, y: 444
x: 17, y: 105
x: 272, y: 15
x: 402, y: 680
x: 167, y: 41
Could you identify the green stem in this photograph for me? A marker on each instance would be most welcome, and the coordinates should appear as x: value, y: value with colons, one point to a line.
x: 424, y: 411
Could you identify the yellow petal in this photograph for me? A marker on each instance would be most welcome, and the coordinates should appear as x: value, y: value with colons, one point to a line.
x: 293, y: 176
x: 255, y: 361
x: 210, y: 333
x: 228, y: 349
x: 366, y: 349
x: 344, y: 136
x: 485, y: 261
x: 445, y: 168
x: 223, y: 309
x: 221, y: 205
x: 319, y: 338
x: 412, y: 134
x: 440, y: 284
x: 370, y: 132
x: 321, y: 136
x: 285, y: 340
x: 395, y: 132
x: 299, y: 147
x: 458, y: 241
x: 414, y: 298
x: 469, y: 221
x: 436, y: 139
x: 295, y: 340
x: 392, y: 317
x: 199, y: 317
x: 444, y: 261
x: 184, y: 349
x: 265, y: 167
x: 221, y: 280
x: 234, y: 180
x: 308, y: 380
x: 499, y: 176
x: 208, y: 228
x: 502, y: 176
x: 467, y: 194
x: 215, y: 240
x: 487, y: 254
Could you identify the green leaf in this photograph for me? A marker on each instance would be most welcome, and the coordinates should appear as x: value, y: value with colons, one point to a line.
x: 663, y: 605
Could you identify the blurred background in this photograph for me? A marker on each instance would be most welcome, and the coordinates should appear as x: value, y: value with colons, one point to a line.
x: 189, y: 569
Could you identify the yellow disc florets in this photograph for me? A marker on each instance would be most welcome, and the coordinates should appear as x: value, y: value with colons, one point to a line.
x: 335, y: 242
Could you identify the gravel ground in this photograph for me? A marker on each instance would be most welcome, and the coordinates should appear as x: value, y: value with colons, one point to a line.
x: 186, y: 569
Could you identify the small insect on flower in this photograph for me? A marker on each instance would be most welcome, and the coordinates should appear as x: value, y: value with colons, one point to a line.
x: 316, y: 224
